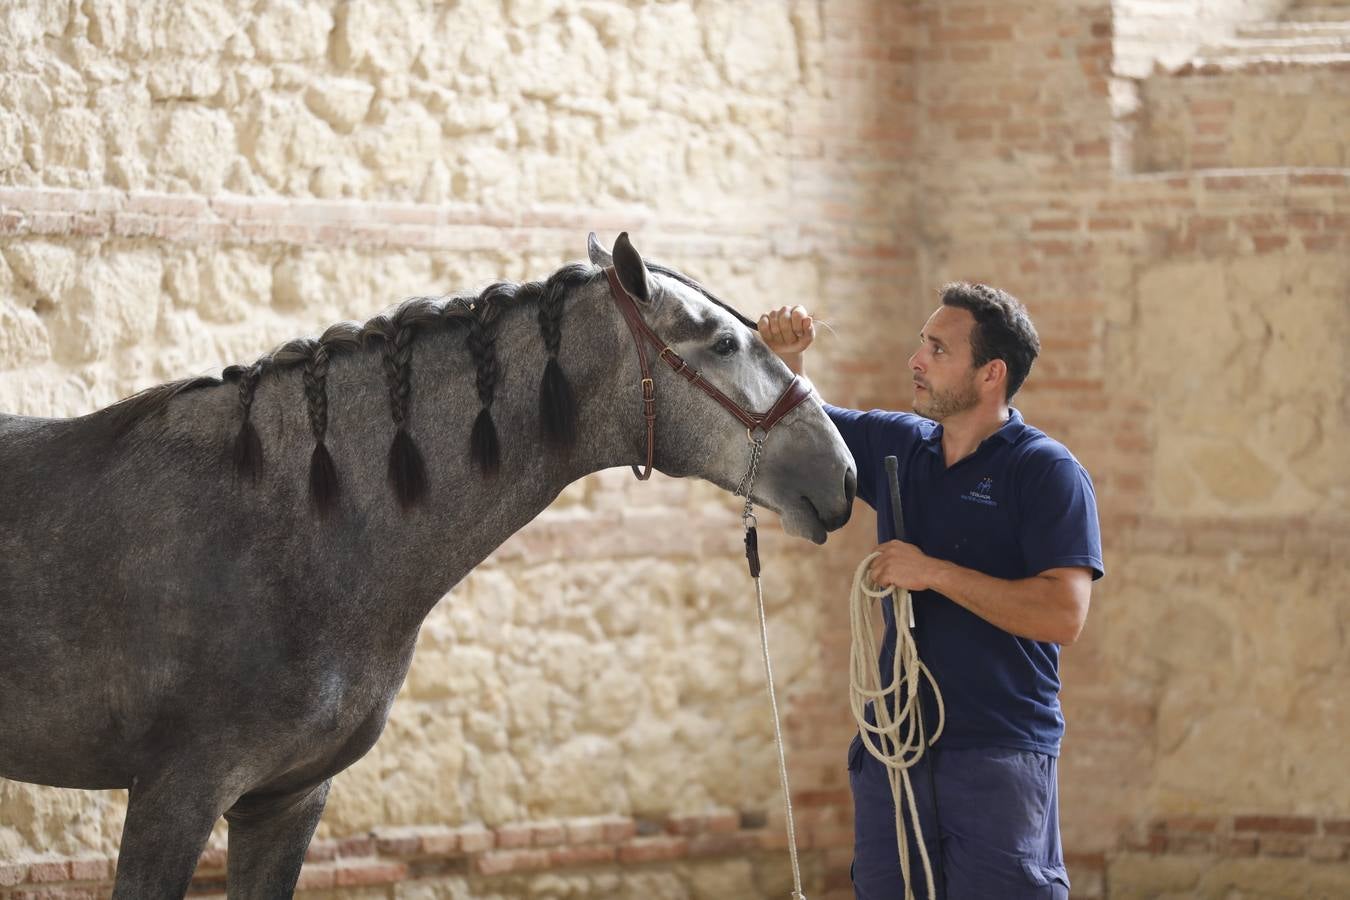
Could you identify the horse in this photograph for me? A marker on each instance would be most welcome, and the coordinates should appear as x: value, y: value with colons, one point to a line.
x: 210, y: 593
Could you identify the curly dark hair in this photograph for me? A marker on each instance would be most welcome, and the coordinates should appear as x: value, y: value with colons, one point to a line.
x: 1003, y: 330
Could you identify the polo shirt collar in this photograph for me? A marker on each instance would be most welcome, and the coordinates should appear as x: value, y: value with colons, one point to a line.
x: 1008, y: 432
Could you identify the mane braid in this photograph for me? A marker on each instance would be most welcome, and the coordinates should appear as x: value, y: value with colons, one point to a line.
x: 248, y: 451
x: 407, y: 469
x: 484, y: 445
x: 323, y: 477
x: 557, y: 402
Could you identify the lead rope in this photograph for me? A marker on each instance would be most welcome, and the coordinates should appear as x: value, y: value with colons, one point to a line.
x: 903, y: 730
x: 752, y: 558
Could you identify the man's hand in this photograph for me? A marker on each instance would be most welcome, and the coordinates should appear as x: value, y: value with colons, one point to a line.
x: 787, y: 330
x: 902, y: 565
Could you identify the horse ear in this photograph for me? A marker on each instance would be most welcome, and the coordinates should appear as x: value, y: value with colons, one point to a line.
x: 631, y: 270
x: 598, y: 254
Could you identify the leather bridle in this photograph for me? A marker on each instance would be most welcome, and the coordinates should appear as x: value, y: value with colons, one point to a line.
x: 757, y: 425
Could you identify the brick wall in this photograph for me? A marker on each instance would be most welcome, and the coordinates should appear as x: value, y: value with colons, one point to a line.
x: 1194, y: 322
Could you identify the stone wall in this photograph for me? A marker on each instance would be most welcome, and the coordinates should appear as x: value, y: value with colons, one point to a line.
x: 184, y: 185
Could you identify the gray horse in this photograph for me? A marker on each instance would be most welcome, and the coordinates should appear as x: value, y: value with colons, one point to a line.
x: 210, y: 592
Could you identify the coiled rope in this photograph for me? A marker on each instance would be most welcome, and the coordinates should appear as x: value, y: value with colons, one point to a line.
x: 897, y: 739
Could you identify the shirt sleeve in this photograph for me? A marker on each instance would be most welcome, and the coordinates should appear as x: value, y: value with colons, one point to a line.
x: 1059, y: 524
x: 854, y: 428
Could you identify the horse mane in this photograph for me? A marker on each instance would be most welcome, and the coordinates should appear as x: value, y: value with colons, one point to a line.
x: 394, y: 331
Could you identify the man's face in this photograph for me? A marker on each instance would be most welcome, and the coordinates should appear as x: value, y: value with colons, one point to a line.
x: 944, y: 373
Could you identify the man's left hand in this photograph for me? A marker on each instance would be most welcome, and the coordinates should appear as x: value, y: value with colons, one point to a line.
x: 902, y: 565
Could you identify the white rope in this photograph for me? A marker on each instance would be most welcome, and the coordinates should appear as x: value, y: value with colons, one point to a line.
x: 778, y: 738
x: 902, y: 730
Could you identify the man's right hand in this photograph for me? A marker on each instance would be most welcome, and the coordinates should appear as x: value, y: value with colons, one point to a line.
x: 788, y: 331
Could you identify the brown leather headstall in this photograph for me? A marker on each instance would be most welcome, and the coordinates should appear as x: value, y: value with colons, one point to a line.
x: 791, y: 397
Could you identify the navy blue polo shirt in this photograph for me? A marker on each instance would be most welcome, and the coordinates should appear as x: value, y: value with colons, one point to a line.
x: 1018, y: 505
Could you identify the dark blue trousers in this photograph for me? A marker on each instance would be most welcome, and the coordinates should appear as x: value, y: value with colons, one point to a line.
x: 999, y: 812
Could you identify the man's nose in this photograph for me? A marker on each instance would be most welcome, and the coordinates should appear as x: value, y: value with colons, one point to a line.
x: 914, y: 361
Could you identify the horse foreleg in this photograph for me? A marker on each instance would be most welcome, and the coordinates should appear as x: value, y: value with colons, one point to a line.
x: 268, y: 840
x: 169, y: 819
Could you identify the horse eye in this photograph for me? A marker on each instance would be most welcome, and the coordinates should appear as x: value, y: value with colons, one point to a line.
x: 725, y: 346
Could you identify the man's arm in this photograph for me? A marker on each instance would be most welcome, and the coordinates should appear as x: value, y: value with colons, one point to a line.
x: 1051, y: 606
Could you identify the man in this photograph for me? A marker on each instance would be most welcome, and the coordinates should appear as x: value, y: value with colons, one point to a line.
x: 1002, y: 548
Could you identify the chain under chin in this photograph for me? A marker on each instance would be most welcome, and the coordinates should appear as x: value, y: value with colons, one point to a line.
x: 748, y: 481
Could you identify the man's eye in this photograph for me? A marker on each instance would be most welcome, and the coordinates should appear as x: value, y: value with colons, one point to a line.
x: 725, y: 346
x: 937, y: 349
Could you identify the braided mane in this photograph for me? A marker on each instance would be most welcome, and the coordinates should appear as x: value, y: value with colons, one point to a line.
x: 394, y: 332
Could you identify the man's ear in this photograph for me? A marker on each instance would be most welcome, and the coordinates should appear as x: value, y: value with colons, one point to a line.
x: 598, y: 254
x: 996, y: 374
x: 632, y: 271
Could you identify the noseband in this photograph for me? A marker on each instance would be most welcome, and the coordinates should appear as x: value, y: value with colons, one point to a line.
x: 757, y: 425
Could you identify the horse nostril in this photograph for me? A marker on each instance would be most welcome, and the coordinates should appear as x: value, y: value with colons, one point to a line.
x: 850, y: 485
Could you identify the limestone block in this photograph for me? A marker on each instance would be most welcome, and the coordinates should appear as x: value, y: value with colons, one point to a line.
x: 24, y: 340
x: 348, y: 178
x: 71, y: 141
x: 179, y: 79
x: 529, y: 13
x: 402, y: 145
x: 196, y: 146
x: 125, y: 115
x: 113, y: 301
x: 614, y: 21
x: 291, y: 30
x: 69, y: 85
x: 485, y: 53
x: 26, y: 95
x: 424, y: 779
x: 341, y: 102
x: 244, y: 82
x: 197, y: 27
x: 498, y: 786
x: 283, y: 141
x: 578, y: 777
x: 233, y: 283
x: 26, y: 21
x: 386, y: 37
x: 46, y: 267
x: 59, y: 821
x: 108, y: 23
x: 763, y: 59
x: 612, y: 700
x: 559, y: 60
x: 356, y: 800
x: 467, y: 115
x: 11, y: 140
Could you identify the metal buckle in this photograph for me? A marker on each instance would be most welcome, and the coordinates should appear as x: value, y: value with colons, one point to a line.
x: 648, y: 389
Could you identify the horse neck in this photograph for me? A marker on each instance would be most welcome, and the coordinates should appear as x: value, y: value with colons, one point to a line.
x: 466, y: 515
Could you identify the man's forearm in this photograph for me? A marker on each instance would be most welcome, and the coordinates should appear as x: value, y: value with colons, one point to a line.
x: 1041, y: 608
x: 795, y: 362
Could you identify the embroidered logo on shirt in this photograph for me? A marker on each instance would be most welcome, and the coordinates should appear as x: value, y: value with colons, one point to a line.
x: 982, y: 492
